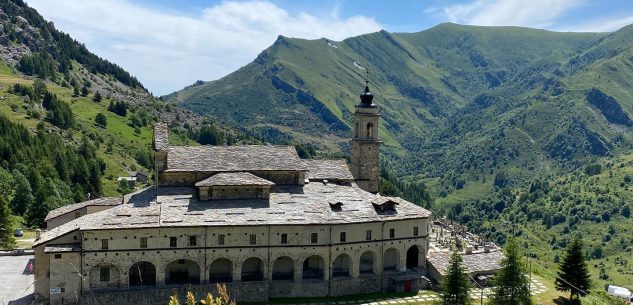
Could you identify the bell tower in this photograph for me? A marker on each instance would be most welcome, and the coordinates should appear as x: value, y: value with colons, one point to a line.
x: 365, y: 143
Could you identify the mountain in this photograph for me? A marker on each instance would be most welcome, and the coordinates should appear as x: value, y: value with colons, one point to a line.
x: 540, y: 101
x: 71, y: 123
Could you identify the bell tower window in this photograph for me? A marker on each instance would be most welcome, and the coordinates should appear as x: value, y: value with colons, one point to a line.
x: 370, y: 130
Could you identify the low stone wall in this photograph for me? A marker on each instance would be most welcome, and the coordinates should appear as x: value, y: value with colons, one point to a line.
x: 369, y: 284
x: 243, y: 292
x: 281, y: 289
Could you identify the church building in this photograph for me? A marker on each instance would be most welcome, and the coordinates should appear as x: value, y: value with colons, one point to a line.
x: 256, y: 217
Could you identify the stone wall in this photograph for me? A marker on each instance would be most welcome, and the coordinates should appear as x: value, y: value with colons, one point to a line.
x: 190, y: 178
x: 244, y: 292
x: 124, y: 251
x: 64, y: 274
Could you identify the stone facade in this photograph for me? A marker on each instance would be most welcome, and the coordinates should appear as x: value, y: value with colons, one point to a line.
x: 390, y: 256
x: 255, y: 217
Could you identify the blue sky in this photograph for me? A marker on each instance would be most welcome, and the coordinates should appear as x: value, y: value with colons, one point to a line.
x: 169, y: 44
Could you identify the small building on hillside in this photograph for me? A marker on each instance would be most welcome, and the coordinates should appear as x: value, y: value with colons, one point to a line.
x: 140, y: 176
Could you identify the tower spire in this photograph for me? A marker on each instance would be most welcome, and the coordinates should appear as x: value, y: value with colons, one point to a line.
x: 366, y: 97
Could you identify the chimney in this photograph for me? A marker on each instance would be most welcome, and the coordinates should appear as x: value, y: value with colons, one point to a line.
x: 160, y: 143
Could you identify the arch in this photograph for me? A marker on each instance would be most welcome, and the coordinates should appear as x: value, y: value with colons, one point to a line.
x: 341, y: 266
x: 370, y: 130
x: 253, y: 270
x: 413, y: 257
x: 221, y: 271
x: 390, y: 260
x: 366, y: 265
x: 313, y: 268
x: 142, y: 274
x: 356, y: 130
x: 283, y: 268
x: 182, y: 271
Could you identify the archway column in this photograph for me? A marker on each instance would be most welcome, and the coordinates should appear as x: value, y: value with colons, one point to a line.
x: 402, y: 261
x: 326, y: 270
x: 237, y: 271
x: 298, y: 270
x: 160, y: 275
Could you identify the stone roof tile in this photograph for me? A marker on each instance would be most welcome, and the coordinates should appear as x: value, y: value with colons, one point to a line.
x: 288, y: 204
x: 233, y: 158
x: 331, y: 170
x: 240, y: 178
x: 474, y: 263
x: 73, y: 207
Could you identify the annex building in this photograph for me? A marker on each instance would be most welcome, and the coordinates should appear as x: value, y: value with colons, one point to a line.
x: 256, y: 217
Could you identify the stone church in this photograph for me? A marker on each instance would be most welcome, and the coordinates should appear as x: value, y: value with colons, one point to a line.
x: 256, y: 217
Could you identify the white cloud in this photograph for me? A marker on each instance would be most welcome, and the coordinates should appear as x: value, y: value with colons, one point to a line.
x: 168, y: 51
x: 531, y: 13
x: 600, y: 25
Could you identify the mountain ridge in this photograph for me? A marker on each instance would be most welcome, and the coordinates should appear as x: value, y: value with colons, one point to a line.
x: 420, y: 79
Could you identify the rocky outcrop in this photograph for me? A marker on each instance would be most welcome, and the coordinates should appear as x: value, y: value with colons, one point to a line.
x: 609, y: 107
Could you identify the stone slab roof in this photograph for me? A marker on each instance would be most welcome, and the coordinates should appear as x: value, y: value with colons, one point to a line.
x: 233, y: 158
x: 161, y: 136
x: 63, y: 248
x: 73, y: 207
x: 331, y: 170
x: 474, y: 263
x: 237, y: 179
x: 288, y: 205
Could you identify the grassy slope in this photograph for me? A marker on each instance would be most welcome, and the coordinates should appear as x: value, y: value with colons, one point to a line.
x: 126, y: 142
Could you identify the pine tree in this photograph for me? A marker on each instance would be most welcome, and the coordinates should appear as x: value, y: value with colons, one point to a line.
x: 75, y: 90
x: 97, y: 97
x: 23, y: 197
x: 455, y: 285
x: 101, y: 120
x: 510, y: 283
x: 84, y: 91
x: 6, y: 229
x: 573, y: 274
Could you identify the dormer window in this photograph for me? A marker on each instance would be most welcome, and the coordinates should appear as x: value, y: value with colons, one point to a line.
x: 336, y: 206
x: 385, y: 205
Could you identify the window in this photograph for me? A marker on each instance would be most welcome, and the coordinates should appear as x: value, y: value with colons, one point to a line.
x: 143, y: 242
x: 104, y: 244
x: 370, y: 130
x: 392, y: 233
x: 314, y: 238
x: 192, y: 241
x: 58, y: 256
x: 415, y: 231
x: 221, y: 239
x: 284, y: 238
x: 173, y: 242
x: 253, y: 239
x: 368, y: 235
x: 104, y: 274
x: 343, y: 237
